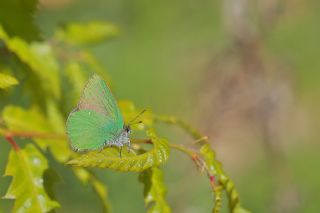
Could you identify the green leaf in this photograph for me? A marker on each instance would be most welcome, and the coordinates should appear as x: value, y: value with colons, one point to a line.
x: 154, y: 190
x: 77, y: 78
x: 32, y: 120
x: 7, y: 81
x: 16, y: 16
x: 110, y: 157
x: 39, y: 57
x: 87, y: 33
x: 50, y: 177
x: 26, y: 167
x: 87, y: 177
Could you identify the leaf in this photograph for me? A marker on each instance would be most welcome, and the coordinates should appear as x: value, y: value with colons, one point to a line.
x: 50, y: 177
x: 87, y: 177
x: 32, y: 120
x: 129, y: 162
x: 87, y: 33
x: 26, y: 167
x: 77, y: 78
x: 39, y: 57
x: 154, y: 190
x: 7, y: 81
x: 16, y: 16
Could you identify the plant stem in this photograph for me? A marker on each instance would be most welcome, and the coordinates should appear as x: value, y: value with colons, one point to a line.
x: 14, y: 145
x: 32, y: 134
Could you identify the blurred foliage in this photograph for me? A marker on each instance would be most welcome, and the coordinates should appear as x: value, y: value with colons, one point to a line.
x: 87, y: 34
x: 161, y: 41
x: 55, y: 71
x: 7, y: 81
x: 154, y: 190
x: 17, y: 17
x: 27, y: 167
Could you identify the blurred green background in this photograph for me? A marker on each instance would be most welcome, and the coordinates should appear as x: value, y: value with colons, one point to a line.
x: 244, y: 72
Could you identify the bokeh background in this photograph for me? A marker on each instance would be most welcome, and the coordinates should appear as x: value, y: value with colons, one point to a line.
x: 246, y: 73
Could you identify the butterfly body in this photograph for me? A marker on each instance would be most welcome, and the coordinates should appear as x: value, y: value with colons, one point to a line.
x: 97, y: 120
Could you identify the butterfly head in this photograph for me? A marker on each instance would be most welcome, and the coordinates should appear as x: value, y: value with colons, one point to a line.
x: 127, y: 128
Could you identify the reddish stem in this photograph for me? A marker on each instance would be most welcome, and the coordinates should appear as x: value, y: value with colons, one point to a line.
x: 15, y: 146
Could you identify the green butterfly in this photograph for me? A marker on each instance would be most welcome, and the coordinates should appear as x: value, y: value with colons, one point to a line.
x: 97, y: 120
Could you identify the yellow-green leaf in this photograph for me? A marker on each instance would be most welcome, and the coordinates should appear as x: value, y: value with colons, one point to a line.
x: 88, y: 33
x: 100, y: 189
x: 154, y: 191
x: 7, y: 81
x: 110, y: 157
x: 17, y: 16
x: 77, y: 78
x: 32, y: 120
x: 39, y: 57
x: 26, y: 167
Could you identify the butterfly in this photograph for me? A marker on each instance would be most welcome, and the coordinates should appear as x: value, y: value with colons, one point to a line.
x: 97, y: 120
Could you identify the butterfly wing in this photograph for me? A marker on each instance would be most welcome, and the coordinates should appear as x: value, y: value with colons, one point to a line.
x: 98, y: 97
x: 88, y: 130
x: 97, y: 119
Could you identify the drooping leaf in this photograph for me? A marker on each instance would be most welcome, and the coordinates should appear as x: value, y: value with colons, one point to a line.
x: 33, y: 120
x: 26, y: 167
x: 87, y: 33
x: 17, y: 18
x: 110, y: 157
x: 88, y: 178
x: 7, y: 81
x: 39, y: 57
x: 154, y: 190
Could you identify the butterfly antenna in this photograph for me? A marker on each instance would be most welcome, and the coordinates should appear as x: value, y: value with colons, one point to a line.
x: 135, y: 118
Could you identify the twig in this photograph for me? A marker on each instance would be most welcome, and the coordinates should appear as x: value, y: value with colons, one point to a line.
x: 10, y: 139
x: 32, y: 134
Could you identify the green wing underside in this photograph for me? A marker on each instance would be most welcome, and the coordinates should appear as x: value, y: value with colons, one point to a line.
x: 98, y: 97
x: 97, y: 118
x: 89, y: 130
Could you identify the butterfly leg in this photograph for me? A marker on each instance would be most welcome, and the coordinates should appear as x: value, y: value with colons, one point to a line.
x: 120, y: 151
x: 129, y: 147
